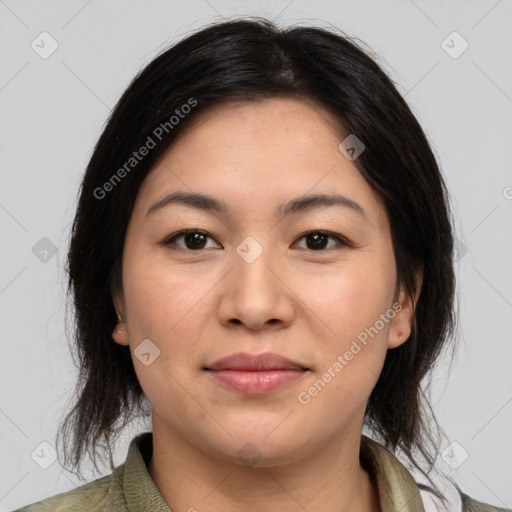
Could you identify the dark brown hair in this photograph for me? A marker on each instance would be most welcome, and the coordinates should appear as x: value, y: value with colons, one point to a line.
x: 252, y: 59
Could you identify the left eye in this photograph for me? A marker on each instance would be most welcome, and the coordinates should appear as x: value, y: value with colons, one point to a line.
x: 319, y: 240
x: 315, y: 240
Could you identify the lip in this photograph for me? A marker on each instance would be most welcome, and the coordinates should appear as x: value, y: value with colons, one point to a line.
x: 255, y: 362
x: 260, y: 374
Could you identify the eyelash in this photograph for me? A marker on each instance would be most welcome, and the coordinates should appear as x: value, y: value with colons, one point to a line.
x: 342, y: 242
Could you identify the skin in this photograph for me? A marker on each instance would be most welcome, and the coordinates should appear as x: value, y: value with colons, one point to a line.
x: 199, y: 305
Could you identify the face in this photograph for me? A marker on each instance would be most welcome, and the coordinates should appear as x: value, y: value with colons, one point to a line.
x: 315, y: 284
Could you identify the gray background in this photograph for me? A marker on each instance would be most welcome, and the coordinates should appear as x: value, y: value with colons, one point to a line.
x: 52, y: 111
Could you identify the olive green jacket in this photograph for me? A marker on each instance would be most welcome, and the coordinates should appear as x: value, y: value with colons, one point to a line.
x: 130, y: 487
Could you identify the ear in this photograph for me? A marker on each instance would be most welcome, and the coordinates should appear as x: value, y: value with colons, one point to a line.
x: 401, y: 325
x: 120, y: 332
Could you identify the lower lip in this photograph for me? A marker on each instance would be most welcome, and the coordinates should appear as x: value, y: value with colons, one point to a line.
x: 256, y: 382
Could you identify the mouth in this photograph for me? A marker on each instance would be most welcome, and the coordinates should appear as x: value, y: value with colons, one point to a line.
x: 255, y: 362
x: 250, y: 374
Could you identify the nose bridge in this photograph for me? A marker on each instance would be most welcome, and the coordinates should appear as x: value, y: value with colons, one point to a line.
x: 253, y: 292
x: 252, y: 262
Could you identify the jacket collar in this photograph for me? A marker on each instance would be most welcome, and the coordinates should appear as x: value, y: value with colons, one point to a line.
x: 395, y: 486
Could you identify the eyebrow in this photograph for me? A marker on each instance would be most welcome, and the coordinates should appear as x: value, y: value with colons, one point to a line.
x: 296, y: 206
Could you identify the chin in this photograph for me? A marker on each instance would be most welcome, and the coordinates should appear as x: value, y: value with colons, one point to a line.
x: 258, y: 447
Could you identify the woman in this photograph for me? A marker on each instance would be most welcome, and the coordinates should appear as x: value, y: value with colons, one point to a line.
x: 262, y: 252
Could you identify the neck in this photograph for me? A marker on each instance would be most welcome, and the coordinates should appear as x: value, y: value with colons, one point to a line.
x: 330, y: 479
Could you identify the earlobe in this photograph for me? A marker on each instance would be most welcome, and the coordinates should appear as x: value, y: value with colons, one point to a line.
x: 401, y: 326
x: 397, y: 339
x: 120, y: 333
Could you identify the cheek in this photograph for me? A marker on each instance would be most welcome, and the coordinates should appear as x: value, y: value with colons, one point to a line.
x: 349, y: 299
x: 352, y: 342
x: 168, y: 305
x: 161, y: 297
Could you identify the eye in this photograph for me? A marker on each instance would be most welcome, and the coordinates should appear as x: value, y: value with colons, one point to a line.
x: 194, y: 239
x: 317, y: 240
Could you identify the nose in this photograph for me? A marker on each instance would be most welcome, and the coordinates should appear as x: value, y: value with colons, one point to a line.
x: 257, y: 294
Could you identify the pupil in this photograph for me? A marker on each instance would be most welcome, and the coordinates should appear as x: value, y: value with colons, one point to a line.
x: 194, y: 238
x: 316, y: 237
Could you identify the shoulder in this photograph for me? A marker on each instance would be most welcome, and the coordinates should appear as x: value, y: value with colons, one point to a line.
x: 128, y: 487
x: 397, y: 479
x: 471, y: 505
x: 102, y: 494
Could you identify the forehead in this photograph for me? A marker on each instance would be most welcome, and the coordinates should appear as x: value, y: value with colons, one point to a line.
x: 270, y: 121
x: 256, y: 155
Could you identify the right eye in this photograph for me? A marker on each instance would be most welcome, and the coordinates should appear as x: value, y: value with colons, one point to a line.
x: 194, y: 239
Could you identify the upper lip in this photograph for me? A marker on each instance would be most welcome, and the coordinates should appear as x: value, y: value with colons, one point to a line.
x: 253, y: 362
